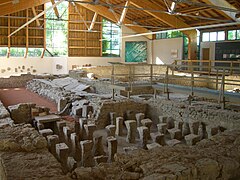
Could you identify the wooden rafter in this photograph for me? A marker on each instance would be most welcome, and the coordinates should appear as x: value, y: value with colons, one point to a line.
x: 21, y: 5
x: 171, y: 21
x: 224, y: 3
x: 55, y: 9
x: 103, y: 11
x: 93, y: 21
x: 124, y: 12
x: 166, y: 18
x: 35, y: 14
x: 80, y: 14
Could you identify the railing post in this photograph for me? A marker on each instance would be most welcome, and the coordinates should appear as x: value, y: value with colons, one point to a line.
x: 166, y: 80
x: 217, y: 80
x: 113, y: 82
x: 192, y: 82
x: 209, y: 67
x: 231, y: 68
x: 151, y: 73
x: 221, y: 92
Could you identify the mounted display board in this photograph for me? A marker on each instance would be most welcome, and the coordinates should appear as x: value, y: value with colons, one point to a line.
x: 136, y: 51
x: 227, y: 51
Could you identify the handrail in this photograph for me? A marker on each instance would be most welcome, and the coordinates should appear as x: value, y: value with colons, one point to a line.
x: 219, y: 79
x: 232, y: 66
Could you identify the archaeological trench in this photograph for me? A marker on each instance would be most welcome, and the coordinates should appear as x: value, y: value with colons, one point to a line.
x: 140, y: 137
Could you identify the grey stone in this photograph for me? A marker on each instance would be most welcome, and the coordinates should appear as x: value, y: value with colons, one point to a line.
x: 131, y: 126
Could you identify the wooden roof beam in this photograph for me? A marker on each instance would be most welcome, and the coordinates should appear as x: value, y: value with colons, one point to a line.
x: 191, y: 9
x: 35, y: 14
x: 93, y: 21
x: 55, y: 9
x: 223, y: 3
x: 166, y: 18
x: 103, y: 11
x: 8, y: 8
x: 171, y: 21
x: 124, y: 12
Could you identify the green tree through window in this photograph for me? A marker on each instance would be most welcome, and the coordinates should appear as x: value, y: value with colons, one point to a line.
x: 56, y: 39
x: 111, y: 39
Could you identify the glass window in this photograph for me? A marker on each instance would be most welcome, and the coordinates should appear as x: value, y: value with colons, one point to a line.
x: 3, y: 51
x: 17, y: 52
x: 205, y: 36
x: 56, y: 39
x: 213, y: 36
x: 111, y: 39
x: 238, y: 34
x: 232, y: 35
x: 35, y: 52
x: 221, y: 36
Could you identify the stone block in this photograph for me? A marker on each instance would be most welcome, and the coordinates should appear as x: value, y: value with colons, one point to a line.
x: 153, y: 145
x: 170, y: 123
x: 87, y: 158
x: 90, y: 128
x: 162, y: 128
x: 47, y: 118
x: 77, y: 111
x: 185, y: 129
x: 194, y: 127
x: 175, y: 133
x: 85, y: 110
x: 139, y: 117
x: 148, y: 123
x: 112, y: 148
x: 75, y: 147
x: 60, y: 125
x: 61, y: 104
x: 158, y: 138
x: 46, y: 132
x: 131, y: 126
x: 162, y: 119
x: 111, y: 129
x: 211, y: 131
x: 71, y: 164
x: 98, y: 148
x: 100, y: 159
x: 192, y: 139
x: 67, y: 133
x: 52, y: 141
x: 178, y: 125
x: 62, y: 152
x: 119, y: 126
x: 173, y: 142
x: 143, y: 134
x: 113, y: 116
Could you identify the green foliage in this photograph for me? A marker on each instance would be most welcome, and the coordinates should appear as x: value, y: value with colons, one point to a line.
x: 17, y: 52
x: 57, y: 31
x: 111, y: 39
x: 3, y: 51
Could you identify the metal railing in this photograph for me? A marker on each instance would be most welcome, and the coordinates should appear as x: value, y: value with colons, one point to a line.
x: 168, y: 75
x: 208, y: 66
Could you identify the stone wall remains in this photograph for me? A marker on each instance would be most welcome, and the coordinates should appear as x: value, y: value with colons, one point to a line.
x: 214, y: 158
x: 24, y: 153
x: 206, y: 112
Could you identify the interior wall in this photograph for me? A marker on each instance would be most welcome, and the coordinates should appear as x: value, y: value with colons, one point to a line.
x: 61, y: 65
x: 94, y: 61
x: 48, y: 64
x: 126, y: 31
x: 211, y: 46
x: 165, y: 51
x: 23, y: 64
